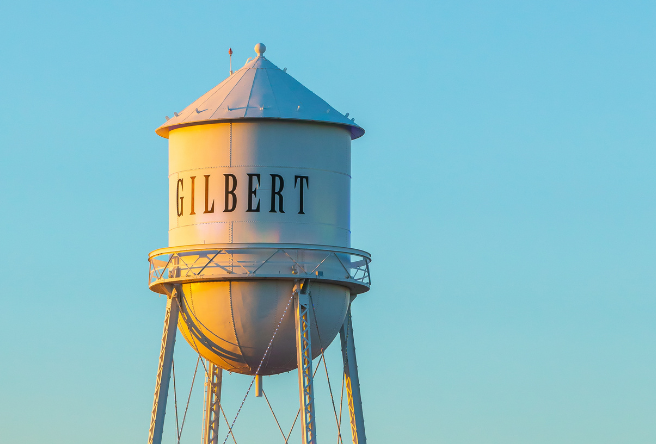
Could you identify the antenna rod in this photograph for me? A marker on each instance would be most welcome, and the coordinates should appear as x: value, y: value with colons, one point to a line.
x: 230, y: 52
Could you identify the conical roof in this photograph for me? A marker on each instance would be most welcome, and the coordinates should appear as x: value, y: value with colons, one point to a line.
x: 259, y: 90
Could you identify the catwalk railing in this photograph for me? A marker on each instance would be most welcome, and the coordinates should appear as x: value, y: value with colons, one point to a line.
x: 228, y: 262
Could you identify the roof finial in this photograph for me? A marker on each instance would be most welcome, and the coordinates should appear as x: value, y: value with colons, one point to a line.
x: 259, y: 49
x: 230, y: 52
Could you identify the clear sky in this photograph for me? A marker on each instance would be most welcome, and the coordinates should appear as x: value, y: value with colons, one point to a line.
x: 505, y: 187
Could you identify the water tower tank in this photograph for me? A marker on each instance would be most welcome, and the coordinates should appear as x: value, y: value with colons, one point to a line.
x: 259, y: 199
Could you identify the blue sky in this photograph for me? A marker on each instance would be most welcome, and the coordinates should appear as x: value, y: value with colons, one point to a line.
x: 505, y: 188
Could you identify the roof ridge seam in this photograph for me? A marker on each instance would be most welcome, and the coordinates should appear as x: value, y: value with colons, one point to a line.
x: 228, y: 95
x: 283, y: 98
x: 273, y: 93
x: 250, y: 94
x: 224, y: 82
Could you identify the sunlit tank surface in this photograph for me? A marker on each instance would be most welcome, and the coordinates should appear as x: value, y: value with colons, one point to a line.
x: 231, y: 323
x: 260, y: 159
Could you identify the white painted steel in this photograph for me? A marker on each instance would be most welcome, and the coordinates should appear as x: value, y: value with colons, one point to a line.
x: 352, y: 381
x: 297, y: 174
x: 164, y: 370
x: 303, y: 323
x: 200, y: 157
x: 231, y: 322
x: 260, y: 48
x: 212, y: 417
x: 263, y: 245
x: 259, y: 201
x: 232, y: 262
x: 259, y: 90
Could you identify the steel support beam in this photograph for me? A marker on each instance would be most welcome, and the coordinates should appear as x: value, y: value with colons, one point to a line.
x: 164, y: 369
x: 351, y: 381
x: 213, y: 383
x: 304, y: 359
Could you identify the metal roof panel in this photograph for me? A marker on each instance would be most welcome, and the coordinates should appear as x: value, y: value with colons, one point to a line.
x: 259, y: 90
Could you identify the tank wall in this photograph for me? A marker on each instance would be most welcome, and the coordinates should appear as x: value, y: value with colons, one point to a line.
x: 220, y: 173
x: 232, y: 323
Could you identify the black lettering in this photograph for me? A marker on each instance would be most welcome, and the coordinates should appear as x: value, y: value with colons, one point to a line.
x: 278, y: 192
x: 179, y: 200
x: 193, y: 188
x: 307, y: 184
x: 230, y: 191
x: 207, y: 195
x: 252, y: 192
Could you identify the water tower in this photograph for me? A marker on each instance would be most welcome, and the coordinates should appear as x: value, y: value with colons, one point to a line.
x: 259, y: 273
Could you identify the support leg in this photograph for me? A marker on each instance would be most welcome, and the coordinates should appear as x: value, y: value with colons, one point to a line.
x: 164, y: 370
x: 304, y: 360
x: 212, y: 404
x: 352, y: 381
